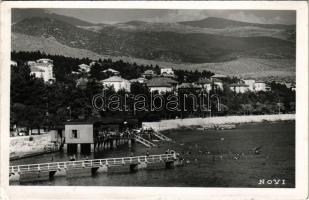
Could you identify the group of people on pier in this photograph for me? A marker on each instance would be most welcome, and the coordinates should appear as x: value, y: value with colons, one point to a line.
x: 106, y: 134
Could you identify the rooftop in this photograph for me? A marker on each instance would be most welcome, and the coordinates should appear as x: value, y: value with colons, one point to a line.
x: 114, y: 79
x: 83, y: 65
x: 216, y: 80
x: 161, y: 82
x: 111, y: 70
x: 219, y: 76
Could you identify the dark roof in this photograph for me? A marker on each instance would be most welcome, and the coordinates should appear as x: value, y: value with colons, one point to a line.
x: 216, y: 80
x: 203, y: 81
x: 161, y: 82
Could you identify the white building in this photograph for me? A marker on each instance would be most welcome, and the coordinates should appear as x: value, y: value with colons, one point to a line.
x: 84, y: 68
x: 260, y: 86
x: 239, y: 88
x: 250, y: 83
x: 13, y: 63
x: 42, y: 68
x: 167, y: 72
x: 117, y: 83
x: 217, y: 83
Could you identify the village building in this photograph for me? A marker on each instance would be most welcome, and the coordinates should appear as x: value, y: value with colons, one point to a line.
x: 13, y: 63
x: 189, y: 87
x: 239, y: 87
x: 139, y: 80
x: 112, y: 72
x: 217, y: 83
x: 93, y: 63
x: 84, y: 68
x: 161, y: 84
x: 168, y: 72
x: 117, y: 83
x: 42, y: 68
x: 250, y: 83
x: 204, y: 83
x: 260, y: 86
x: 149, y: 74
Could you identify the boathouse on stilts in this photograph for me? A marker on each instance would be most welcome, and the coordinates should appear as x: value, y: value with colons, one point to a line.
x: 86, y: 136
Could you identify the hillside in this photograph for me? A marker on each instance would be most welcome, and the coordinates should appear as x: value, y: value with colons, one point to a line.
x: 21, y: 14
x: 160, y: 46
x: 244, y: 67
x: 243, y: 31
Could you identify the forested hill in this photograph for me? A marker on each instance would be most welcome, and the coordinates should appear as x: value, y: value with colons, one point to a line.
x: 63, y: 67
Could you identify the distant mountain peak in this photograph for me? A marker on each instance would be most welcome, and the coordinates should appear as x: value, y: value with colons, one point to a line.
x: 21, y: 14
x: 221, y: 23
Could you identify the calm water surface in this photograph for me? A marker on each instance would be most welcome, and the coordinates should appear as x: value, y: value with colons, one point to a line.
x: 213, y: 159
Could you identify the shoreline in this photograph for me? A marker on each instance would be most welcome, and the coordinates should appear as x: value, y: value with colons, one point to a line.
x: 164, y: 125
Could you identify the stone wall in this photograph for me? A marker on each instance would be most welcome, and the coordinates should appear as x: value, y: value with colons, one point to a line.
x: 21, y: 145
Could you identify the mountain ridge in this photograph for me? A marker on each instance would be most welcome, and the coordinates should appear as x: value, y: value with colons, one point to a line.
x: 164, y: 46
x: 219, y: 23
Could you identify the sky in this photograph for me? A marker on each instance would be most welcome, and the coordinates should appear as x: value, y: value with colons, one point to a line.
x: 111, y: 16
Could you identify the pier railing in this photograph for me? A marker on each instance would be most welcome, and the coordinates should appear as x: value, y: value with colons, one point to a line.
x: 144, y: 141
x: 161, y: 136
x: 54, y: 166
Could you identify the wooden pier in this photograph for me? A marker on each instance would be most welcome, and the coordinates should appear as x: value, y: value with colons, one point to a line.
x: 44, y: 171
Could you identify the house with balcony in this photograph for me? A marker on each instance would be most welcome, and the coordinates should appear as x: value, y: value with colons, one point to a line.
x: 162, y: 84
x: 239, y: 87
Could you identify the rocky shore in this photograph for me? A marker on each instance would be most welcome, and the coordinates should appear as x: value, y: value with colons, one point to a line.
x: 215, y: 121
